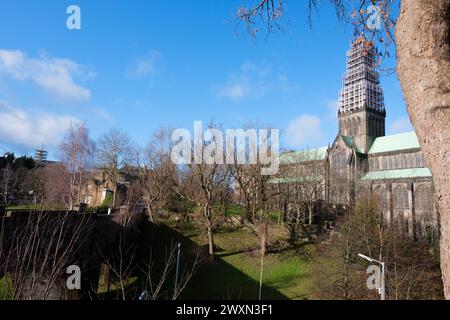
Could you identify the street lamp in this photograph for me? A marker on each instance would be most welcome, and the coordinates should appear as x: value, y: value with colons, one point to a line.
x: 383, y: 274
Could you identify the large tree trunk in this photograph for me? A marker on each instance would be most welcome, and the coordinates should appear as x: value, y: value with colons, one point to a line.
x: 423, y: 48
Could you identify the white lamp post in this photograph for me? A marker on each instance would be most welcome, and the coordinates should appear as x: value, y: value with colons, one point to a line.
x: 383, y: 275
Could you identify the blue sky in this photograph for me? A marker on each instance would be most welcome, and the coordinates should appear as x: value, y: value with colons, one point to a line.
x: 138, y: 65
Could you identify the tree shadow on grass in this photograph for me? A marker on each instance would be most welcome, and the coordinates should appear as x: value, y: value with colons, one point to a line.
x: 229, y: 254
x: 213, y: 280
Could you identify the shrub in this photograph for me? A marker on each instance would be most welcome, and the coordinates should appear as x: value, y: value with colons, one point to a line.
x: 107, y: 202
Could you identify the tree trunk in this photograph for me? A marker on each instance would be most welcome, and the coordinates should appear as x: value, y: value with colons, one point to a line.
x: 80, y: 183
x: 248, y: 211
x: 210, y: 241
x: 423, y: 48
x: 113, y: 205
x: 310, y: 215
x: 207, y: 213
x: 150, y: 213
x: 264, y: 236
x: 297, y: 222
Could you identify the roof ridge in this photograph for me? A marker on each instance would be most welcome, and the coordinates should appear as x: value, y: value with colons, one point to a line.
x: 398, y: 134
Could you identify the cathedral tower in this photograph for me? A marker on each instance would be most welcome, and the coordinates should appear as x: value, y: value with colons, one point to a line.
x: 361, y: 102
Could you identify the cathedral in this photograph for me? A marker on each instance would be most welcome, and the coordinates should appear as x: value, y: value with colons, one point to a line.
x: 362, y: 159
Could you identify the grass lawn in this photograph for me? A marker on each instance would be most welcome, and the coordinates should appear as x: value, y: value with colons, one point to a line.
x: 26, y: 207
x: 34, y: 207
x: 5, y: 288
x: 235, y: 272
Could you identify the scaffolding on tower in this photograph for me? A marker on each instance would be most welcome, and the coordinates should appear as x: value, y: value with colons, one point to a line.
x: 361, y: 84
x: 40, y: 155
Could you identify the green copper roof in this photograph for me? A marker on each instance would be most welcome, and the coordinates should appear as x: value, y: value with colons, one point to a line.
x: 349, y: 142
x: 304, y: 156
x: 398, y: 174
x: 396, y: 142
x: 295, y: 180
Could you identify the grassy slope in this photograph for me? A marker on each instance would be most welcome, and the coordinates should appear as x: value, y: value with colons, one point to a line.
x: 235, y: 273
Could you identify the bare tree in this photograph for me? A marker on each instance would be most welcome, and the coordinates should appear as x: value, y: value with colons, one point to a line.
x: 36, y: 249
x: 202, y: 181
x: 155, y: 273
x: 157, y: 284
x: 305, y: 175
x: 245, y: 182
x: 154, y: 170
x: 120, y: 264
x: 76, y: 150
x: 47, y: 186
x: 210, y: 180
x: 412, y: 266
x: 7, y: 178
x: 113, y: 154
x: 252, y: 184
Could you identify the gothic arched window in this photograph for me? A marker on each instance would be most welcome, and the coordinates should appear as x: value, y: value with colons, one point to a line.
x: 374, y: 164
x: 395, y: 162
x: 411, y: 161
x: 400, y: 196
x: 385, y: 163
x: 419, y: 160
x: 404, y: 161
x: 423, y: 198
x: 353, y: 127
x: 381, y: 195
x: 358, y: 124
x: 371, y: 125
x: 391, y: 162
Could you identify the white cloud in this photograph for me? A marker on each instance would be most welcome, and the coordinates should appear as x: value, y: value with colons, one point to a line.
x: 53, y: 74
x: 304, y: 131
x: 333, y: 107
x: 253, y: 80
x: 400, y: 125
x: 144, y: 66
x: 22, y: 129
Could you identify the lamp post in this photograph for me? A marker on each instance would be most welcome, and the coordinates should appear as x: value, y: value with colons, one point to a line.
x: 383, y: 274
